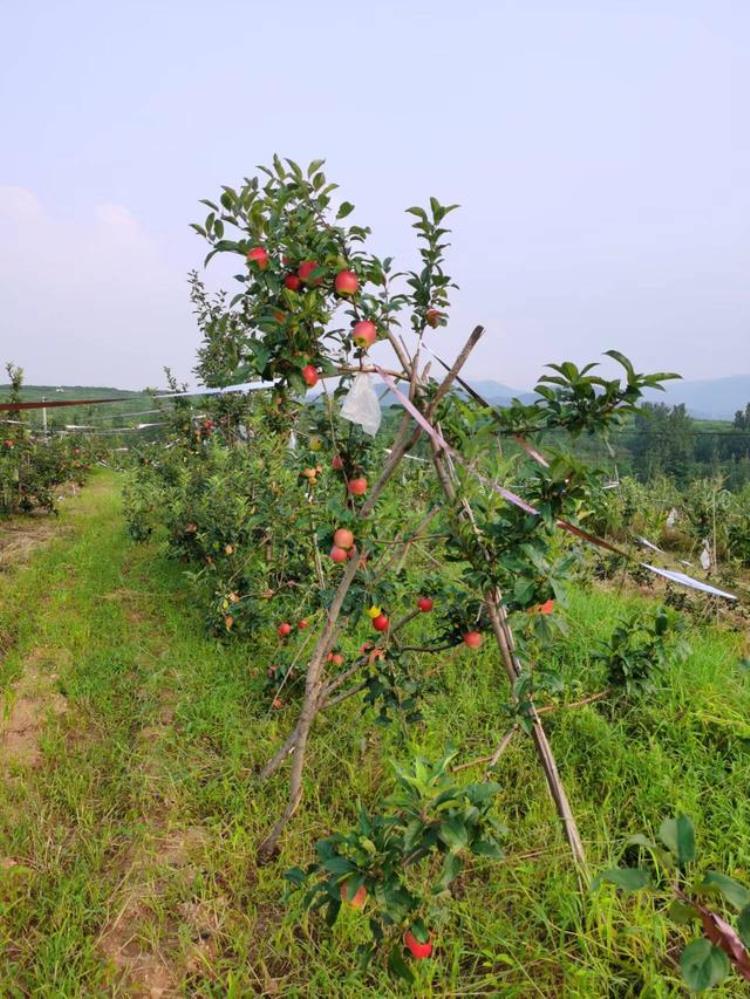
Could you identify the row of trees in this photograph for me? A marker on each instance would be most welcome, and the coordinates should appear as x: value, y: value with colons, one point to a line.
x: 32, y: 467
x: 665, y: 441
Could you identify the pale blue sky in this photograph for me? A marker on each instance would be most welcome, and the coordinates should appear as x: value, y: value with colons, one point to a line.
x: 600, y: 152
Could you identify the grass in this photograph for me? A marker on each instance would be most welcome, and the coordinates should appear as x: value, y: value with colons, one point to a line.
x: 127, y: 839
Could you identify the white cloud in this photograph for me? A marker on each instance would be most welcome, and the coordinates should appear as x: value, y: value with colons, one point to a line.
x: 94, y: 301
x: 17, y: 204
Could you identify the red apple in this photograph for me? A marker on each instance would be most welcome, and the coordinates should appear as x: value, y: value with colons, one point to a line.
x: 304, y: 623
x: 547, y: 607
x: 338, y: 554
x: 337, y: 463
x: 358, y: 487
x: 259, y: 257
x: 284, y: 629
x: 357, y: 900
x: 364, y: 334
x: 346, y: 283
x: 310, y: 375
x: 381, y: 623
x: 425, y: 604
x: 343, y: 538
x: 473, y: 639
x: 432, y: 318
x: 418, y: 950
x: 292, y: 282
x: 305, y: 269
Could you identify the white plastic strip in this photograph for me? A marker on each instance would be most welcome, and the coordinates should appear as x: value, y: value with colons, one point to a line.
x: 648, y: 544
x: 244, y: 387
x: 683, y: 580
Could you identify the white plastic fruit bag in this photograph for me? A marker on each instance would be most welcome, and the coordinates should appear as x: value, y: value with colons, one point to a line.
x: 361, y: 405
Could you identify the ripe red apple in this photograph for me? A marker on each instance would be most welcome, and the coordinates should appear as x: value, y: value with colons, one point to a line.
x: 343, y: 538
x: 346, y: 283
x: 357, y: 900
x: 432, y: 318
x: 304, y: 623
x: 338, y: 554
x: 473, y: 639
x: 425, y: 604
x: 358, y: 486
x: 284, y: 629
x: 305, y: 269
x: 337, y: 463
x: 259, y: 257
x: 292, y: 282
x: 337, y: 659
x: 381, y: 623
x: 310, y: 375
x: 418, y: 950
x: 364, y: 334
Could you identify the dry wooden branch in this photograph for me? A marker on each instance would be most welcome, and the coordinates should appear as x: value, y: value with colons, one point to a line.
x: 491, y: 758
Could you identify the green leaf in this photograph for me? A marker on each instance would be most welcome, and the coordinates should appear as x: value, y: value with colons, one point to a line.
x: 638, y: 839
x: 345, y: 208
x: 420, y: 931
x: 703, y: 965
x: 627, y: 878
x: 338, y: 865
x: 487, y: 848
x: 681, y: 913
x: 295, y: 874
x: 735, y: 893
x: 398, y: 966
x: 334, y: 908
x: 453, y: 833
x: 743, y: 925
x: 679, y: 838
x: 452, y: 866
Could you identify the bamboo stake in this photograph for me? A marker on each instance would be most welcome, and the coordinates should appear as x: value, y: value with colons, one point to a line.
x: 505, y: 641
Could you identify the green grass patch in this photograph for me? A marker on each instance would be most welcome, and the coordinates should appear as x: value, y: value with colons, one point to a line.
x: 128, y: 847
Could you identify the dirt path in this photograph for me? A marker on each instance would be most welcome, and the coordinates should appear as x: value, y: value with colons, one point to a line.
x: 91, y: 824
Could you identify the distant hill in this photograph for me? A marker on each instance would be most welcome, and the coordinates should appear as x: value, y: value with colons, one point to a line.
x: 709, y: 399
x: 499, y: 394
x: 132, y: 404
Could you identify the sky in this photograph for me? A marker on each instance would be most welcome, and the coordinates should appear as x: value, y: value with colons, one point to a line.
x: 600, y: 152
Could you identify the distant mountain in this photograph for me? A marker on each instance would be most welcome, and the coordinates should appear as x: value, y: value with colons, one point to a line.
x: 709, y: 399
x: 33, y: 393
x: 499, y: 394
